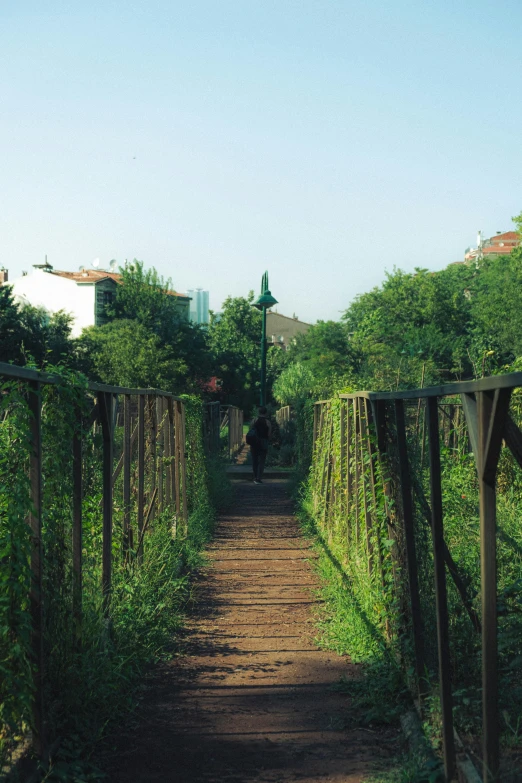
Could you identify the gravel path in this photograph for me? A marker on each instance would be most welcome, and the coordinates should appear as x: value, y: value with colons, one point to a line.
x: 251, y: 699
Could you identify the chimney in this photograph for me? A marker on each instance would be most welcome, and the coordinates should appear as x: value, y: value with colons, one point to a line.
x: 4, y: 274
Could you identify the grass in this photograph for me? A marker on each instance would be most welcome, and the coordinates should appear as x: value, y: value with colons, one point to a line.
x: 380, y: 695
x: 96, y: 685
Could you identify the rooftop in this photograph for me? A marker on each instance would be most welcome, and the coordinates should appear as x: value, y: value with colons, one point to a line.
x: 96, y: 275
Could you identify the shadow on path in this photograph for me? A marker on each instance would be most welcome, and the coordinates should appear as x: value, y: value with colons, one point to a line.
x: 251, y: 698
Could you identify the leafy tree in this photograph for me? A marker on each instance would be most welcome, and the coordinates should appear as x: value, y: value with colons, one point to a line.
x: 145, y: 298
x: 295, y: 383
x: 327, y: 354
x: 413, y: 320
x: 234, y: 340
x: 127, y: 353
x: 31, y: 334
x: 497, y: 310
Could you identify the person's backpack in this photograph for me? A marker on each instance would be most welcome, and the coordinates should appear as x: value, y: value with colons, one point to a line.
x: 251, y: 437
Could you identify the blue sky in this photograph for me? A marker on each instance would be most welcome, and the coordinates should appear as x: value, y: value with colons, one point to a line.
x: 323, y: 141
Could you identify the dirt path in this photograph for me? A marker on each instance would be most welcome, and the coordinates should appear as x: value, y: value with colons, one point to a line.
x: 251, y: 700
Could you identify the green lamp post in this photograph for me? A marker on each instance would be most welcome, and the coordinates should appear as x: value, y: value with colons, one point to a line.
x: 264, y: 302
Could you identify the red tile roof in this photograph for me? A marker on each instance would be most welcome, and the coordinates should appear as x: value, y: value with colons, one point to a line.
x: 95, y: 275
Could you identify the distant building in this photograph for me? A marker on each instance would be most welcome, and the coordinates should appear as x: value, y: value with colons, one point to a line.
x: 282, y: 330
x: 84, y: 294
x: 199, y: 313
x: 501, y: 244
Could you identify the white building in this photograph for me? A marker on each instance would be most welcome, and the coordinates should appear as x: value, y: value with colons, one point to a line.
x: 84, y: 294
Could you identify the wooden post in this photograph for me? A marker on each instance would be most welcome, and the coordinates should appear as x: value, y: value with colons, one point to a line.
x: 153, y: 448
x: 349, y: 488
x: 35, y: 595
x: 161, y: 451
x: 126, y: 474
x: 183, y: 446
x: 105, y: 407
x: 171, y: 475
x: 344, y: 455
x: 367, y: 513
x: 356, y: 427
x: 177, y: 456
x: 492, y: 414
x: 168, y: 453
x: 441, y: 602
x: 411, y: 556
x: 77, y: 521
x: 141, y: 465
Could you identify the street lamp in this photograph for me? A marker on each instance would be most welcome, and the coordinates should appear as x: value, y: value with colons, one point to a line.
x: 263, y: 302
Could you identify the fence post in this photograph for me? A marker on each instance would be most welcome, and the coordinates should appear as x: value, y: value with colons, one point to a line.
x: 127, y: 534
x: 492, y: 415
x: 161, y: 450
x: 441, y: 602
x: 36, y: 593
x: 411, y: 556
x: 141, y: 466
x: 183, y: 447
x: 105, y: 407
x: 177, y: 457
x: 77, y: 490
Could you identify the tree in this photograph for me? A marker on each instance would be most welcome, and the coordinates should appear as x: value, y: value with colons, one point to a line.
x: 234, y: 340
x: 127, y: 353
x: 31, y: 334
x: 410, y: 321
x: 327, y: 354
x: 497, y: 309
x: 144, y: 297
x: 296, y: 383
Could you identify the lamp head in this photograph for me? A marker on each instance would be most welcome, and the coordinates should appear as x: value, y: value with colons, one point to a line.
x: 264, y: 301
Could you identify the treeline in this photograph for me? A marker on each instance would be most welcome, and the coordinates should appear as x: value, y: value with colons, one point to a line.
x: 146, y: 342
x: 415, y: 329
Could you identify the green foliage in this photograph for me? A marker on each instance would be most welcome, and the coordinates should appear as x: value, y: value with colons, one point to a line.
x: 295, y: 384
x: 91, y: 670
x: 234, y: 342
x: 30, y: 334
x: 149, y: 344
x: 146, y: 297
x: 126, y: 353
x: 326, y: 353
x: 411, y: 320
x: 15, y: 547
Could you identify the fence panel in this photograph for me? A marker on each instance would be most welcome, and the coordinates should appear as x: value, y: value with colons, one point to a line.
x: 377, y: 458
x: 118, y: 454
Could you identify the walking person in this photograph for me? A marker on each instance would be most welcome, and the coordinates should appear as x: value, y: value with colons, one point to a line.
x: 259, y: 445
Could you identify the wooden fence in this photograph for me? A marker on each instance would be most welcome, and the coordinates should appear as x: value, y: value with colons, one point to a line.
x: 283, y: 415
x: 211, y: 427
x: 143, y: 435
x: 371, y: 481
x: 232, y: 418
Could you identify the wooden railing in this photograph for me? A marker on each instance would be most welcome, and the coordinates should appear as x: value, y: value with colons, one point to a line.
x: 232, y: 417
x: 370, y: 480
x: 143, y: 434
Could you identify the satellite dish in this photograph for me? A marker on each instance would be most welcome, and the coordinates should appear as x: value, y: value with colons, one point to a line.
x: 113, y: 264
x: 96, y: 262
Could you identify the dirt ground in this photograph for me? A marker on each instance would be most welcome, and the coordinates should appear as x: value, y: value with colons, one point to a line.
x: 251, y: 698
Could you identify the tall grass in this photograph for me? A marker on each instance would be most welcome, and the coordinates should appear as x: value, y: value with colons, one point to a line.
x: 91, y: 672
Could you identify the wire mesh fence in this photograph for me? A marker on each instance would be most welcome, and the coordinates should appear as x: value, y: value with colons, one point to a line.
x: 419, y: 503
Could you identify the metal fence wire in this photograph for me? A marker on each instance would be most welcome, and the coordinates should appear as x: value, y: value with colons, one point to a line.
x: 417, y: 499
x: 76, y: 452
